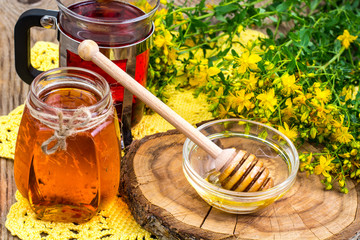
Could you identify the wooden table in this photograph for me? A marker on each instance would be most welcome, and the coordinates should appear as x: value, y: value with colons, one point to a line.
x: 13, y: 90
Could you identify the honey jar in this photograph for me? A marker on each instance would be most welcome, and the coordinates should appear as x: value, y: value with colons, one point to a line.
x: 67, y: 157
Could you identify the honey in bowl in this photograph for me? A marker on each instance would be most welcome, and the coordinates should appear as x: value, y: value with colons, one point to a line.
x: 71, y: 182
x: 258, y: 168
x: 276, y: 152
x: 244, y: 173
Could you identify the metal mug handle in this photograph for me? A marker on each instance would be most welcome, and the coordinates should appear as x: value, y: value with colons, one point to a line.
x: 27, y: 20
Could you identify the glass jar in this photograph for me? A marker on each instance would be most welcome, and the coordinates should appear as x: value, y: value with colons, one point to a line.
x: 67, y: 157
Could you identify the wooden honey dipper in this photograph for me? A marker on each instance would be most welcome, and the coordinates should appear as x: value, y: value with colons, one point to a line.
x: 244, y: 173
x: 229, y: 164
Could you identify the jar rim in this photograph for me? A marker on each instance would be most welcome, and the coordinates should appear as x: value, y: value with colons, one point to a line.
x: 105, y: 96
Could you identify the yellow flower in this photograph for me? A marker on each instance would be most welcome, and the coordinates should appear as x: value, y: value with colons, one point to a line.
x: 338, y: 124
x: 268, y: 99
x: 212, y: 71
x: 190, y: 43
x: 269, y: 65
x: 247, y: 61
x: 223, y: 112
x: 163, y: 41
x: 349, y: 92
x: 307, y: 160
x: 289, y: 111
x: 323, y: 96
x: 163, y: 2
x: 291, y: 133
x: 289, y: 84
x: 173, y: 54
x: 345, y: 155
x: 199, y: 58
x: 241, y: 100
x: 240, y: 28
x: 301, y: 98
x: 159, y: 41
x: 251, y: 82
x: 324, y: 166
x: 322, y: 112
x: 199, y: 77
x: 346, y: 38
x: 342, y: 135
x: 143, y: 5
x: 218, y: 94
x: 210, y: 6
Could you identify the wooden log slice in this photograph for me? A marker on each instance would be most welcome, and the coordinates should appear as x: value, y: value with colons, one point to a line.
x: 163, y: 202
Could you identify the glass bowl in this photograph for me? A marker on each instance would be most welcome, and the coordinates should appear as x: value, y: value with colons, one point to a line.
x: 276, y: 151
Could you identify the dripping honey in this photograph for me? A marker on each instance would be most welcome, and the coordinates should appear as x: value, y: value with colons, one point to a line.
x: 69, y: 185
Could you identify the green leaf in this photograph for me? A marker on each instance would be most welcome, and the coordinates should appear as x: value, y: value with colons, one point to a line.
x: 222, y: 76
x: 287, y: 52
x: 294, y: 37
x: 239, y: 18
x: 261, y: 67
x: 234, y: 53
x: 314, y: 4
x: 221, y: 18
x: 283, y: 6
x: 198, y: 23
x: 291, y: 65
x: 169, y: 20
x: 305, y: 35
x: 274, y: 19
x: 301, y: 66
x: 269, y: 33
x: 201, y: 5
x: 225, y: 9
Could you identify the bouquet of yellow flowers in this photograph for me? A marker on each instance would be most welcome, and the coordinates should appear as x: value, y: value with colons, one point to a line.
x: 301, y: 75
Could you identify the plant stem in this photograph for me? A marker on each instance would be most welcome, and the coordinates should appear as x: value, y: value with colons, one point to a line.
x: 351, y: 60
x: 323, y: 68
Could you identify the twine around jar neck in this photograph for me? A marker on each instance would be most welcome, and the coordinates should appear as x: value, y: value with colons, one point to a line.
x: 65, y: 126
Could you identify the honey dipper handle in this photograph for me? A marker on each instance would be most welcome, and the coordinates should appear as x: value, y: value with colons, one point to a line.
x: 89, y: 51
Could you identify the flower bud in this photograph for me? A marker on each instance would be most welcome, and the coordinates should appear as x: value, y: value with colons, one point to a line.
x: 328, y: 187
x: 354, y: 152
x: 261, y: 83
x: 342, y: 183
x: 313, y: 132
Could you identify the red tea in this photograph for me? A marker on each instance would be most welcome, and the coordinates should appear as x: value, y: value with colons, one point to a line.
x: 117, y: 30
x: 117, y: 27
x: 69, y: 185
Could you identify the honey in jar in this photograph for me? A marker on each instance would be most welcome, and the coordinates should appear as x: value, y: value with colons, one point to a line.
x: 67, y: 157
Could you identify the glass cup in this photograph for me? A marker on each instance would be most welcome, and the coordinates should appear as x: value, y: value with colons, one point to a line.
x: 60, y: 163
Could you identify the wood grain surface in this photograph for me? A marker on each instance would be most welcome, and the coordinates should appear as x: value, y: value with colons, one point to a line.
x: 13, y: 90
x: 164, y: 203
